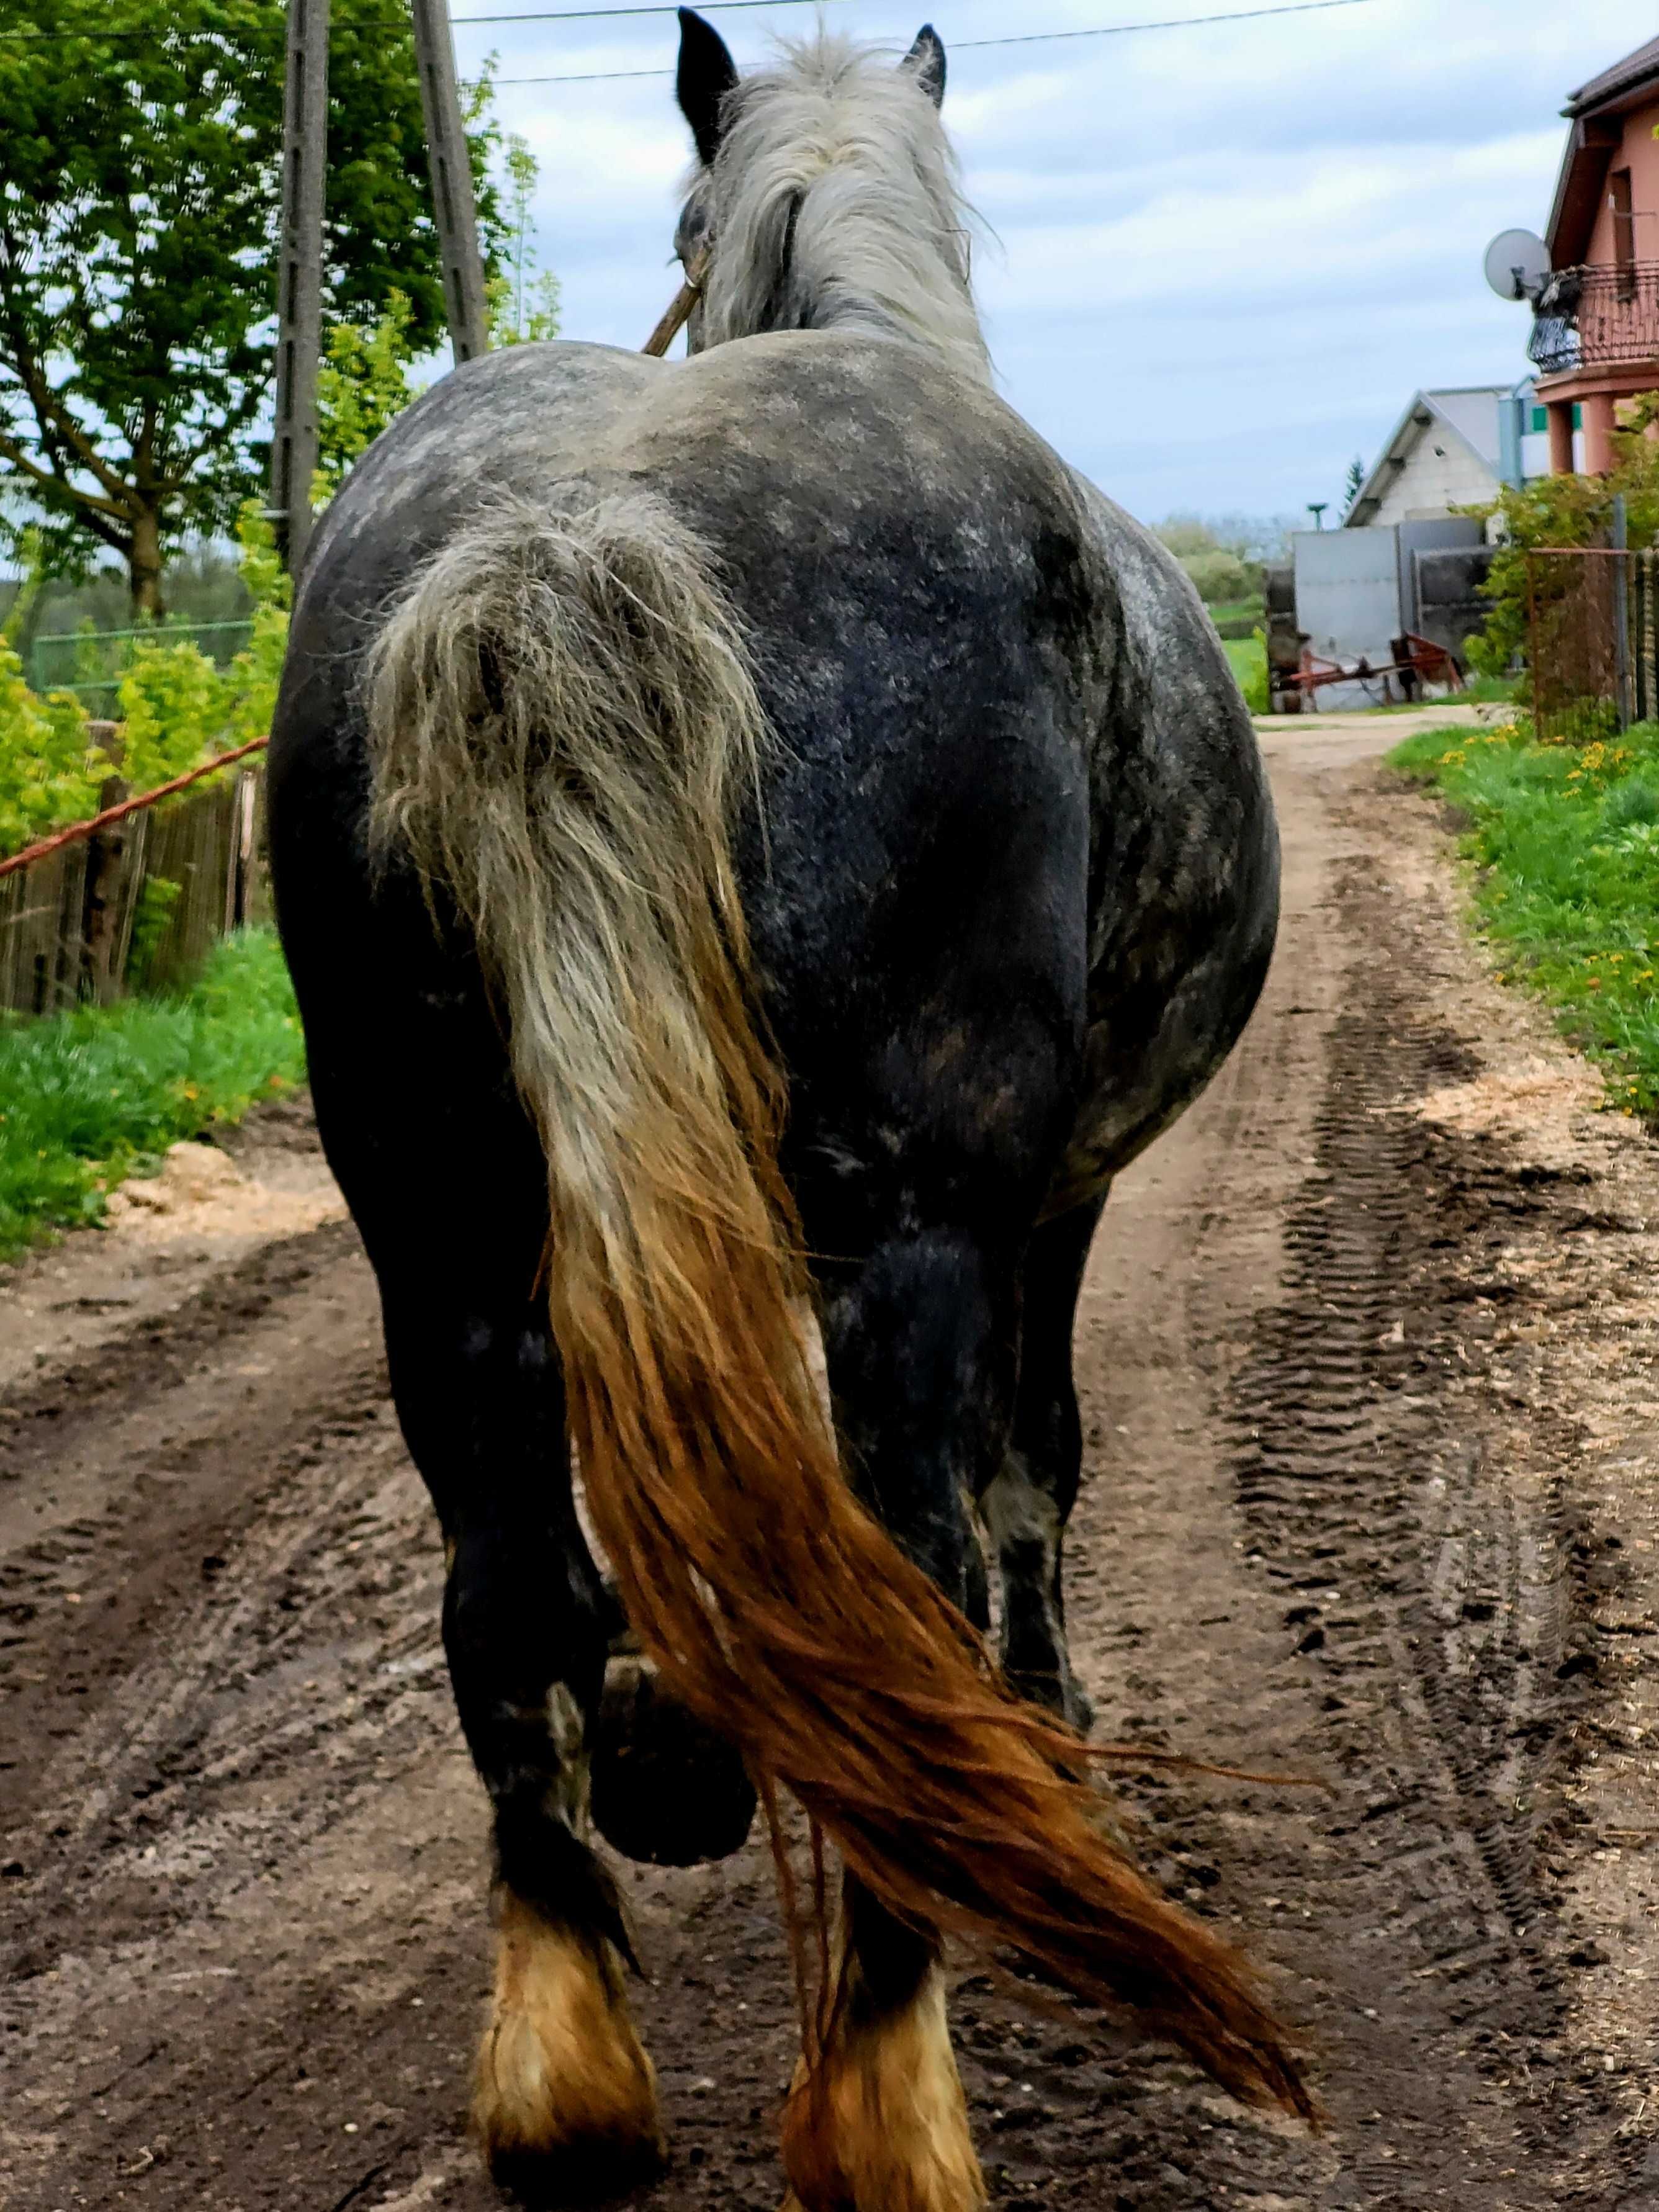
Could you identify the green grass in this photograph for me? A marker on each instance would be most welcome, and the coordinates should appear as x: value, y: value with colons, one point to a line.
x: 1565, y: 841
x: 1237, y: 618
x: 1490, y: 690
x: 100, y: 1093
x: 1248, y: 660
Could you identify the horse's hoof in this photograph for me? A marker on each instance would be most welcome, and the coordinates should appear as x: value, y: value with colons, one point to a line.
x: 1060, y: 1693
x: 573, y: 2176
x: 664, y: 1787
x: 1076, y: 1705
x: 884, y: 2126
x: 565, y: 2103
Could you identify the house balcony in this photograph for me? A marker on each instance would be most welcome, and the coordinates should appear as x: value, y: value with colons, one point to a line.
x: 1599, y: 318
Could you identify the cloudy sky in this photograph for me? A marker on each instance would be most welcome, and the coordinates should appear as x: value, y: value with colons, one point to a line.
x: 1221, y: 258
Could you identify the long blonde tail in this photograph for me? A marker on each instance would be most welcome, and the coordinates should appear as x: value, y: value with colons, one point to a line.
x: 563, y: 718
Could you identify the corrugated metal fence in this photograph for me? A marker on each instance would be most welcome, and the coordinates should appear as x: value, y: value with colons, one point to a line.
x: 141, y: 902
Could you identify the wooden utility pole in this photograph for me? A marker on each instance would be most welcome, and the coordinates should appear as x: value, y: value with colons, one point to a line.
x: 452, y: 182
x: 300, y: 280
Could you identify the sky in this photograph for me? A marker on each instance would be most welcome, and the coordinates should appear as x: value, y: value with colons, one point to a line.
x: 1217, y: 260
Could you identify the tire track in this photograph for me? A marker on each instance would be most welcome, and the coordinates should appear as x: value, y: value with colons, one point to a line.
x: 1431, y: 1603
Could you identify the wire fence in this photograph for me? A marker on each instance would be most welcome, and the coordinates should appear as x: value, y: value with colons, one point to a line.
x: 1592, y: 641
x: 91, y: 662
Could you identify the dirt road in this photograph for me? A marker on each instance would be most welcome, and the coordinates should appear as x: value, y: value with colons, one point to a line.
x: 1367, y: 1354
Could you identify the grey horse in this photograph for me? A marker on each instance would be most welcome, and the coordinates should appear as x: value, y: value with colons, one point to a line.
x: 761, y: 843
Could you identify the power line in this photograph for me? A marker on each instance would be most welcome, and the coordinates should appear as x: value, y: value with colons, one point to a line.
x: 378, y: 23
x: 1021, y: 39
x: 587, y: 14
x: 1169, y: 23
x: 655, y: 8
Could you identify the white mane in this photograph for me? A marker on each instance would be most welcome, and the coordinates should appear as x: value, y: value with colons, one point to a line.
x: 835, y: 202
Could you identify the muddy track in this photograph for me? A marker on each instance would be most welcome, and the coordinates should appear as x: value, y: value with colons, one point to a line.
x: 1365, y: 1386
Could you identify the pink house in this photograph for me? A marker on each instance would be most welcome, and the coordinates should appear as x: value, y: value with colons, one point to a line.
x: 1595, y: 340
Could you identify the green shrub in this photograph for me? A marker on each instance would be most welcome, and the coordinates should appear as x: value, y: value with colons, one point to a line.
x: 172, y: 706
x: 48, y: 772
x: 1568, y: 510
x: 1635, y: 799
x: 151, y: 912
x: 177, y: 707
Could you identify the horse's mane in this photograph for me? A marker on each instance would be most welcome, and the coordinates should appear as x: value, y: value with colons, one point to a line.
x: 835, y: 203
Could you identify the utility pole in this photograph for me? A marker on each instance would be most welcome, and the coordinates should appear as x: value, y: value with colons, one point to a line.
x: 300, y: 280
x: 452, y: 182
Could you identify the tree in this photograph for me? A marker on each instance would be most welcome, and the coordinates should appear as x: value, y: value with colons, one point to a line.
x: 1565, y: 510
x: 366, y: 376
x: 364, y: 381
x: 1219, y: 556
x: 1221, y: 577
x: 524, y: 300
x: 140, y: 158
x: 1356, y: 483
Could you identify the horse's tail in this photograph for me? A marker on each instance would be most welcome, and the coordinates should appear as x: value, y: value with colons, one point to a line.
x: 563, y: 717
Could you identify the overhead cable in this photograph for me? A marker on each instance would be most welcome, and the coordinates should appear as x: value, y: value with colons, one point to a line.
x: 957, y: 45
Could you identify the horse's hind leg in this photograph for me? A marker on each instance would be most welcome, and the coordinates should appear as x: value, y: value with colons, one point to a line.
x: 445, y: 1176
x: 565, y: 2096
x: 881, y: 2125
x: 920, y: 1345
x: 1026, y: 1507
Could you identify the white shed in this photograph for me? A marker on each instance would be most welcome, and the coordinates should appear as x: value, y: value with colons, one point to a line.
x: 1449, y: 449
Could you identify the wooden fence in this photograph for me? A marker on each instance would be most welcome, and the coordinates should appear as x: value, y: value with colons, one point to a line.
x: 182, y: 873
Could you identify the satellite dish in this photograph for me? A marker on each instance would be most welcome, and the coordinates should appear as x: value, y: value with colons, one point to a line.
x: 1517, y: 265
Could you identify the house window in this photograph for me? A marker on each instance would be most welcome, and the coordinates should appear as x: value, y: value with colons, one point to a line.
x: 1624, y: 231
x: 1540, y: 420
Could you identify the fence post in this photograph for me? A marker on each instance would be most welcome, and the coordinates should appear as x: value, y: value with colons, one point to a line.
x: 1638, y: 593
x: 1620, y: 540
x: 452, y: 206
x: 1532, y: 653
x: 299, y: 279
x: 104, y: 898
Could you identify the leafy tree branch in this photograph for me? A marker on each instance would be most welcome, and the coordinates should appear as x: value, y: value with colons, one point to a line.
x: 140, y: 164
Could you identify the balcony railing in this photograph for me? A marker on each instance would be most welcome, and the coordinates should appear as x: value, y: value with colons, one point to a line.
x: 1596, y: 317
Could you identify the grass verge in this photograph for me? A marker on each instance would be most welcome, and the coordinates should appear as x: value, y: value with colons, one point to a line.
x: 100, y: 1093
x: 1565, y: 841
x: 1248, y: 658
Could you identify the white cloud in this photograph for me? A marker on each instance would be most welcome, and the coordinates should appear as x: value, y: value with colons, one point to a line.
x: 1223, y: 257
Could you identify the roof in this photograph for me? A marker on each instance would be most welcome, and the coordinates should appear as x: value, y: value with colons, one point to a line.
x: 1594, y: 113
x: 1468, y: 412
x: 1622, y: 81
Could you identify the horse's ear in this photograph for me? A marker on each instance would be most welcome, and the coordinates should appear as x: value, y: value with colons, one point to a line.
x: 925, y: 63
x: 707, y: 73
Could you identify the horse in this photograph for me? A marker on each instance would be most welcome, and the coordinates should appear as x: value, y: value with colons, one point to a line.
x: 760, y: 844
